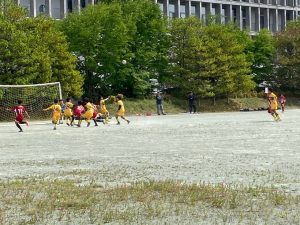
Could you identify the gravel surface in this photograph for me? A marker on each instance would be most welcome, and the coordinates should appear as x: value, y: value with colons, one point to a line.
x: 233, y: 148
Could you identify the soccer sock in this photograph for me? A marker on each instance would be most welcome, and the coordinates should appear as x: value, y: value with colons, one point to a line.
x: 18, y: 125
x: 95, y: 122
x: 72, y: 121
x: 117, y: 118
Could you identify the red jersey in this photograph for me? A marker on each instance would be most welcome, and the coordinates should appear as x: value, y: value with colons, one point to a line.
x: 78, y: 110
x: 282, y: 99
x: 95, y: 112
x: 19, y: 111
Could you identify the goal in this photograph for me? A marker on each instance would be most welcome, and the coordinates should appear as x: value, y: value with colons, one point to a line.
x: 35, y: 98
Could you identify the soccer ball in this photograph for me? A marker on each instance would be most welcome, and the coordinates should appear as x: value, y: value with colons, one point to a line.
x: 124, y: 61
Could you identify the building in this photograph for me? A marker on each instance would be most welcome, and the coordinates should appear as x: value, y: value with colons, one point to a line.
x: 252, y: 15
x: 57, y: 9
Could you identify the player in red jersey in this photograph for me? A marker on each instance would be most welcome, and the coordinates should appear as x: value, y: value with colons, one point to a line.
x: 20, y: 110
x: 282, y: 101
x: 78, y: 110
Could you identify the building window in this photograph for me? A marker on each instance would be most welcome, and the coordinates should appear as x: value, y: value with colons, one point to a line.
x: 42, y: 9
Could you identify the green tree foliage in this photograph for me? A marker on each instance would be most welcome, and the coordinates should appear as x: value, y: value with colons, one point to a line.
x: 287, y: 71
x: 32, y: 51
x: 186, y: 43
x: 105, y: 34
x: 209, y: 59
x: 263, y: 51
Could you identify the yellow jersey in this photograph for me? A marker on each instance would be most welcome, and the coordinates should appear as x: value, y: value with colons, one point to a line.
x: 273, y: 101
x: 68, y: 111
x: 56, y: 112
x: 56, y: 109
x: 120, y: 111
x: 103, y: 109
x: 89, y: 107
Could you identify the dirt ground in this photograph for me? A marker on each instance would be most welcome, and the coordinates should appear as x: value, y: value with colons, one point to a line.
x: 233, y: 148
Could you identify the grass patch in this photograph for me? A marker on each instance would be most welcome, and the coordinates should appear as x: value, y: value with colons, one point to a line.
x: 250, y: 103
x: 41, y: 201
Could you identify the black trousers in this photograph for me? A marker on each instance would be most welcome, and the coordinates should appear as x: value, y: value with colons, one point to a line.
x: 192, y: 108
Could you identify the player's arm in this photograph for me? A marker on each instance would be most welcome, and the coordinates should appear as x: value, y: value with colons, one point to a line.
x: 10, y: 109
x: 119, y: 107
x: 50, y: 107
x: 26, y: 113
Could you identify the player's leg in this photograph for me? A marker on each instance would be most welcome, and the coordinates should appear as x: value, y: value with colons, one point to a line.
x: 106, y: 117
x: 158, y: 109
x: 18, y: 126
x: 125, y: 119
x: 95, y: 122
x: 277, y: 117
x: 162, y: 109
x: 117, y: 118
x: 24, y: 122
x: 80, y: 121
x: 190, y: 108
x: 282, y: 107
x: 54, y: 123
x: 88, y: 123
x: 68, y: 119
x: 72, y: 120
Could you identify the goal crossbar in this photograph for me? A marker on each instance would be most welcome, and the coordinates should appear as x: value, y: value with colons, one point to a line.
x: 34, y: 85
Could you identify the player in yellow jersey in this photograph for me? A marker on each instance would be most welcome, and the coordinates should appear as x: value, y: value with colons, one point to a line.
x: 68, y: 113
x: 121, y: 109
x: 89, y: 111
x: 102, y: 109
x: 273, y: 105
x: 56, y: 113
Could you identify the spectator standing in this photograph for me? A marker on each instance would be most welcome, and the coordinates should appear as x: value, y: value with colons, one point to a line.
x: 159, y: 104
x: 192, y: 102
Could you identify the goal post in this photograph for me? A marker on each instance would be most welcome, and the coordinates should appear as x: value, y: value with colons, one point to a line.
x: 35, y: 98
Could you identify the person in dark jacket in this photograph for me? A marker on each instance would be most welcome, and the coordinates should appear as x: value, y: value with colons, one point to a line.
x: 192, y: 102
x: 159, y: 104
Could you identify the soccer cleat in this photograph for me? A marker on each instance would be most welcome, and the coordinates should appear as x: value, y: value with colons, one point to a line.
x: 68, y: 124
x: 118, y: 123
x: 20, y: 131
x: 128, y: 121
x: 54, y: 128
x: 88, y: 124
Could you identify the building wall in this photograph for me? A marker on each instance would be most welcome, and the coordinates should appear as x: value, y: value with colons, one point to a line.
x: 252, y: 15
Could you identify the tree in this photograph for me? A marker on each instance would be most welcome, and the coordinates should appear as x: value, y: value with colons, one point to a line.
x: 105, y: 34
x: 32, y: 51
x: 209, y: 59
x: 185, y: 37
x: 287, y: 70
x: 263, y: 51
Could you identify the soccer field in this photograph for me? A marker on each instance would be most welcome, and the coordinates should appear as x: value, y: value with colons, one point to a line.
x: 233, y: 148
x: 245, y: 167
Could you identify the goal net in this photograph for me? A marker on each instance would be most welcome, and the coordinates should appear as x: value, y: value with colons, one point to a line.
x: 35, y: 98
